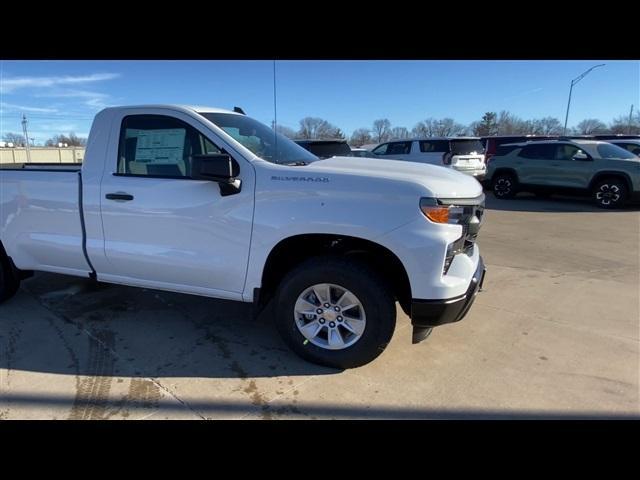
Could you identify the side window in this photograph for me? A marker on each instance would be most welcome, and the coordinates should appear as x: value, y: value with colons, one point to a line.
x: 427, y: 146
x: 632, y: 147
x: 503, y: 150
x: 399, y: 148
x: 566, y: 151
x: 159, y: 146
x: 539, y: 152
x: 381, y: 150
x: 439, y: 146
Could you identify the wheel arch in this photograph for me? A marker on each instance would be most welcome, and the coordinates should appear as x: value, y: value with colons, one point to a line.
x: 502, y: 170
x: 609, y: 174
x: 291, y: 251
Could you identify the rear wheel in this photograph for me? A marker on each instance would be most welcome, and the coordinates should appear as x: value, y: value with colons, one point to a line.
x: 610, y: 193
x: 504, y: 185
x: 9, y: 282
x: 335, y: 312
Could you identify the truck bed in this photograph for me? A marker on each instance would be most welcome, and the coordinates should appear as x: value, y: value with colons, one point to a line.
x: 40, y: 217
x: 49, y: 167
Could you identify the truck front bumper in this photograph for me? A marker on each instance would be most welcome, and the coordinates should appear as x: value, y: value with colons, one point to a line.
x: 426, y: 314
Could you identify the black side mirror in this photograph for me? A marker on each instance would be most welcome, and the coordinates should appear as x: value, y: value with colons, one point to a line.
x: 220, y: 168
x: 217, y: 168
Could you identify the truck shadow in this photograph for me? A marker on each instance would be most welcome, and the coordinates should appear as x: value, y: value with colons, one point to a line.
x: 86, y: 328
x: 527, y: 202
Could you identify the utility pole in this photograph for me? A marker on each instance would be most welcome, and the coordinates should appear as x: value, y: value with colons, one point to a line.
x: 630, y: 117
x: 573, y: 82
x: 26, y: 137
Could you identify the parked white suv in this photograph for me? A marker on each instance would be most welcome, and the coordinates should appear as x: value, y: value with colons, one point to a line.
x: 465, y: 154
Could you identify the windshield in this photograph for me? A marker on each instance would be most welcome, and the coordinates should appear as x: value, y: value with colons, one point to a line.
x: 260, y: 139
x: 608, y: 150
x: 466, y: 147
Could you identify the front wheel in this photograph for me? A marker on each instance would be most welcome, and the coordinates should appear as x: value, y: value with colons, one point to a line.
x: 610, y: 193
x: 504, y: 185
x: 335, y: 312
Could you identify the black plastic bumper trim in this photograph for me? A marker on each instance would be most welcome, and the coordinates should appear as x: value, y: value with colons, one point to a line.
x: 433, y: 313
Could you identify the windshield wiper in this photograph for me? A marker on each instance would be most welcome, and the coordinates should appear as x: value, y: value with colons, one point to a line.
x: 298, y: 163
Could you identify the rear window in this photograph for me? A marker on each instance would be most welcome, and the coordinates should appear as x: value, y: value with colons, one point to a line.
x: 329, y: 149
x: 608, y: 150
x: 466, y: 147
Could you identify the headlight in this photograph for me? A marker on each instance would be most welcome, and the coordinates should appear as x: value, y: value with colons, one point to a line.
x: 438, y: 213
x: 466, y: 212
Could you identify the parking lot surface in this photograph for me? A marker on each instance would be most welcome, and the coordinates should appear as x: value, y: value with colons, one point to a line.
x: 555, y: 334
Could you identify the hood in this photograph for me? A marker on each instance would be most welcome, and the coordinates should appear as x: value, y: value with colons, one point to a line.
x: 442, y: 182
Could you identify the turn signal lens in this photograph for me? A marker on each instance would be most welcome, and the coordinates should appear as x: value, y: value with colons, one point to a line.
x: 435, y: 213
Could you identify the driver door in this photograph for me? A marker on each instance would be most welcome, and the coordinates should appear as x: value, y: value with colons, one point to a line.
x: 162, y: 228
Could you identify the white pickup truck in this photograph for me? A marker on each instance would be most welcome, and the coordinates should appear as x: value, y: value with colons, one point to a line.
x: 211, y: 202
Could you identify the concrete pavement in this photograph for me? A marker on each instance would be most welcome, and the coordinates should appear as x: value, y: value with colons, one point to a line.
x: 555, y: 334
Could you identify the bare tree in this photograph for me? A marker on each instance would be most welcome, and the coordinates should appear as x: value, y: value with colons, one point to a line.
x: 589, y: 126
x: 71, y: 140
x: 621, y: 124
x: 381, y: 129
x: 509, y: 124
x: 399, y: 133
x: 420, y: 130
x: 545, y: 126
x: 15, y: 138
x: 447, y: 127
x: 361, y: 136
x: 433, y: 127
x: 286, y: 131
x: 316, y: 128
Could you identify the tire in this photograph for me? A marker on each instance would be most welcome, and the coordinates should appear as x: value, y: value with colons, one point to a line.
x: 610, y: 193
x: 504, y: 185
x: 9, y: 283
x: 376, y: 307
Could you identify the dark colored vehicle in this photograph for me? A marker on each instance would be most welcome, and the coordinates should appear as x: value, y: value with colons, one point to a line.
x: 631, y: 144
x: 607, y: 137
x: 491, y: 144
x: 326, y: 148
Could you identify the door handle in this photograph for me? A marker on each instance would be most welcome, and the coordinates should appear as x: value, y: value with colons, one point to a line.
x: 119, y: 196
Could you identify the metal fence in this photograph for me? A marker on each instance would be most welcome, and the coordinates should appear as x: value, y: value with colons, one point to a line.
x: 42, y: 155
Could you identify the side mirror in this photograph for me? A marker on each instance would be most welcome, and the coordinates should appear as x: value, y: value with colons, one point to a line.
x: 220, y: 168
x: 217, y: 168
x: 581, y: 157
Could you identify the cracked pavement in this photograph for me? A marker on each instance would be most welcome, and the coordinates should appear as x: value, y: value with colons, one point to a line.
x: 555, y: 334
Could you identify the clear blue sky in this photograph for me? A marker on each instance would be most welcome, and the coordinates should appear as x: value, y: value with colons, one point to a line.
x: 60, y: 96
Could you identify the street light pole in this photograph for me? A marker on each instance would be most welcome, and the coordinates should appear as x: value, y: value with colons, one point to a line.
x: 26, y: 137
x: 573, y: 82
